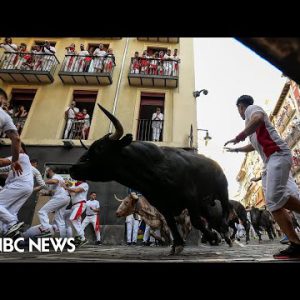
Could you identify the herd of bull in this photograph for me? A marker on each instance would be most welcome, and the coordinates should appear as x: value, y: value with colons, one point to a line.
x: 173, y: 180
x: 135, y: 203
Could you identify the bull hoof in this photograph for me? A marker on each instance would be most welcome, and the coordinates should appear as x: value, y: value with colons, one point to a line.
x: 178, y: 249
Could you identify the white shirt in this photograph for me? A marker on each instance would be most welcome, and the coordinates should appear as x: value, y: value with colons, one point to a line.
x: 157, y: 117
x: 83, y: 53
x: 47, y: 51
x: 71, y: 113
x: 59, y: 191
x: 92, y: 204
x: 99, y: 52
x: 78, y: 197
x: 6, y: 122
x: 9, y: 47
x: 26, y: 178
x: 38, y: 177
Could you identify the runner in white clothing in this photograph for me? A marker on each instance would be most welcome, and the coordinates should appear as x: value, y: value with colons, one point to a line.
x: 16, y: 191
x: 281, y: 191
x: 78, y: 196
x: 92, y: 216
x: 57, y: 203
x: 8, y: 127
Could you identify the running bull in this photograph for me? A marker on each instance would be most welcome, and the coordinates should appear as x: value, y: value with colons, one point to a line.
x: 171, y: 179
x: 134, y: 203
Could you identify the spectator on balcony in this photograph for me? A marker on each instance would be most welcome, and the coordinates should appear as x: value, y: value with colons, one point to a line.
x: 48, y: 59
x: 70, y: 60
x: 70, y: 114
x: 144, y: 63
x: 157, y: 120
x: 9, y: 58
x: 20, y: 118
x: 82, y: 60
x: 176, y: 61
x: 37, y: 57
x: 86, y: 124
x: 160, y: 67
x: 19, y: 59
x: 153, y: 64
x: 98, y: 60
x: 110, y: 61
x: 168, y: 63
x: 135, y: 65
x: 88, y: 61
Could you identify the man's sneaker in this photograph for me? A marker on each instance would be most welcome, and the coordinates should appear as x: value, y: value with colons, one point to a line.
x: 285, y: 240
x: 291, y: 252
x: 98, y: 243
x: 13, y: 229
x: 128, y: 244
x: 44, y: 233
x: 82, y: 243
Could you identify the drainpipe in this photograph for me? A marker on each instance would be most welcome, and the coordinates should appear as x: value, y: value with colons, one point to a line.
x: 119, y: 83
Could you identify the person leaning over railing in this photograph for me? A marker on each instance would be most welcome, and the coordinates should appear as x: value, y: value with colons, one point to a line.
x: 9, y: 58
x: 70, y: 61
x: 175, y: 63
x: 135, y: 64
x: 81, y: 60
x: 48, y: 59
x: 98, y: 60
x: 109, y: 61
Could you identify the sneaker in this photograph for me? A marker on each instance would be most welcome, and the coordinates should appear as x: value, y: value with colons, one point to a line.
x: 128, y: 244
x: 46, y: 233
x: 292, y: 251
x: 98, y: 243
x: 285, y: 240
x: 82, y: 243
x: 134, y: 243
x: 13, y: 229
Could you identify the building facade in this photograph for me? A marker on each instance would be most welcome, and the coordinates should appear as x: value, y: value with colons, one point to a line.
x: 44, y: 84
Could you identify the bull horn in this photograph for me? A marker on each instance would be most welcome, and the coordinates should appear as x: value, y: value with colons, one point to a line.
x: 83, y: 145
x: 134, y: 196
x: 118, y: 126
x: 118, y: 198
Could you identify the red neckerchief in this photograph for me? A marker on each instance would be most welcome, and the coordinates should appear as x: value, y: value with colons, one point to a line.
x: 77, y: 183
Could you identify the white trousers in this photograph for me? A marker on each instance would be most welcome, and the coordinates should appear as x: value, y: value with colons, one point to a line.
x: 68, y: 128
x: 95, y: 221
x: 75, y: 218
x: 132, y: 230
x: 36, y: 230
x: 155, y: 133
x: 12, y: 198
x: 146, y: 233
x: 57, y: 205
x: 277, y: 181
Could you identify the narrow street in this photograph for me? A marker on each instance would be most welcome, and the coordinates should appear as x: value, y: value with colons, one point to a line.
x: 240, y: 252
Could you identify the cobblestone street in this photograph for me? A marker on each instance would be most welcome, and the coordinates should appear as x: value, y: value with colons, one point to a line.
x: 240, y: 252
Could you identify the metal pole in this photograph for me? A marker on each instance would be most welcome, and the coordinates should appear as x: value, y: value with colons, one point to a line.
x: 119, y: 83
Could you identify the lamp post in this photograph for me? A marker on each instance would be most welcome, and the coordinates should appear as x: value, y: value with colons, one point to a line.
x: 207, y: 136
x: 197, y: 93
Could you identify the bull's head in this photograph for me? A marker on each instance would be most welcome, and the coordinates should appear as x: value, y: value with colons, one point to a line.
x: 97, y: 163
x: 127, y: 206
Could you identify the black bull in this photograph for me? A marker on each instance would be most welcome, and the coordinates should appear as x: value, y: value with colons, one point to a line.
x: 171, y: 179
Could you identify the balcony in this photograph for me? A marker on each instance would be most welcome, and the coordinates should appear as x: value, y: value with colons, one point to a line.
x: 77, y: 129
x: 148, y: 130
x: 159, y: 39
x: 78, y: 69
x: 27, y: 67
x: 294, y: 137
x: 151, y: 72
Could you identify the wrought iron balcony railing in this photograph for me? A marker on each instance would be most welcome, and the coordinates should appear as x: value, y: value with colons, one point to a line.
x: 87, y: 69
x: 77, y: 129
x: 28, y: 67
x: 148, y: 130
x: 153, y: 72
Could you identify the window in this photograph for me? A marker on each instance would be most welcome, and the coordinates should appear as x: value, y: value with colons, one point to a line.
x: 78, y: 125
x: 19, y: 106
x: 149, y: 130
x: 152, y: 50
